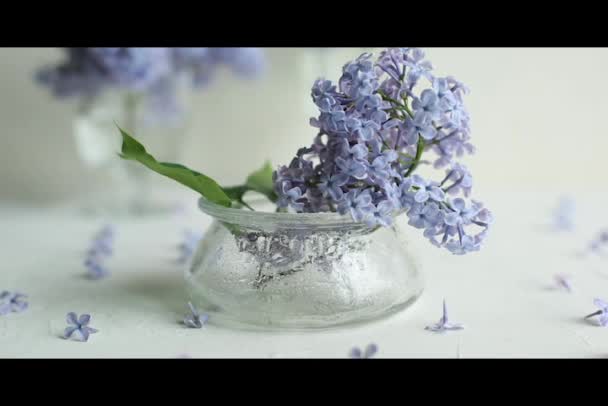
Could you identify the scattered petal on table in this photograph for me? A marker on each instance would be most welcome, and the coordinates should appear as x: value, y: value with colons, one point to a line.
x: 563, y: 282
x: 195, y: 319
x: 563, y: 216
x: 78, y: 325
x: 444, y: 323
x: 602, y: 312
x: 369, y: 352
x: 101, y: 248
x: 12, y: 302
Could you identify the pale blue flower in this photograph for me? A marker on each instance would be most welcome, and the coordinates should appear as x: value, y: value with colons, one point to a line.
x: 420, y: 125
x: 427, y: 104
x: 79, y: 327
x: 382, y: 215
x: 331, y: 186
x: 459, y: 214
x: 357, y: 203
x: 352, y: 167
x: 425, y: 215
x: 426, y: 190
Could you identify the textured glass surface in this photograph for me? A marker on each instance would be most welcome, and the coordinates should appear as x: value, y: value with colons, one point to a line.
x: 299, y: 271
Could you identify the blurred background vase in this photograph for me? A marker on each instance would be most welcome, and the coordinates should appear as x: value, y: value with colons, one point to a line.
x: 119, y: 187
x: 147, y: 92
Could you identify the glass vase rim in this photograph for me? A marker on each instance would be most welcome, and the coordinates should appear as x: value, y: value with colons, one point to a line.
x: 263, y: 219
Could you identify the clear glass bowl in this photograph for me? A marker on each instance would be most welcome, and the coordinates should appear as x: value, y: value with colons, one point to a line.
x: 268, y: 270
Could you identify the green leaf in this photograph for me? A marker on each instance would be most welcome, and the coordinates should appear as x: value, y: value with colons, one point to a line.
x: 261, y: 181
x: 210, y: 189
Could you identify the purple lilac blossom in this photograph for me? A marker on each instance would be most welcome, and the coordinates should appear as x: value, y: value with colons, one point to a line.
x: 444, y: 324
x: 78, y: 326
x: 188, y: 245
x: 368, y: 352
x: 12, y: 303
x: 603, y: 312
x: 373, y: 128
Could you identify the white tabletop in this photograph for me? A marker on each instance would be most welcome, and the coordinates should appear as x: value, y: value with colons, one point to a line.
x: 505, y: 294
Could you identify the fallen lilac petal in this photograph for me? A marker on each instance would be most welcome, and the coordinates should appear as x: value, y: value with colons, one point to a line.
x: 79, y: 326
x: 563, y: 282
x: 602, y: 312
x: 369, y: 352
x: 195, y: 319
x: 12, y: 302
x: 444, y: 324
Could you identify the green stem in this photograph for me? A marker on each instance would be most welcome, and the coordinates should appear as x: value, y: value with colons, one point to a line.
x: 417, y: 158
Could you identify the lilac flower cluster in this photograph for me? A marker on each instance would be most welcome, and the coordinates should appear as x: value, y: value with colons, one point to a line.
x: 202, y: 63
x: 86, y: 71
x: 374, y: 127
x: 100, y: 249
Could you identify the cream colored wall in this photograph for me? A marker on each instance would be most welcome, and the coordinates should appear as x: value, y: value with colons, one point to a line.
x: 538, y: 115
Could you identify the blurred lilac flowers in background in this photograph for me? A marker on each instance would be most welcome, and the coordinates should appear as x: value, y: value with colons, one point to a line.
x: 563, y: 216
x: 444, y: 323
x: 101, y: 248
x: 603, y: 312
x: 563, y: 282
x: 188, y: 246
x: 12, y: 303
x: 373, y: 130
x: 195, y: 319
x: 369, y: 352
x: 599, y: 242
x: 154, y: 72
x: 78, y: 326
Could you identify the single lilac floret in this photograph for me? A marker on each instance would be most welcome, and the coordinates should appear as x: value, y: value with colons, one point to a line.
x: 78, y: 327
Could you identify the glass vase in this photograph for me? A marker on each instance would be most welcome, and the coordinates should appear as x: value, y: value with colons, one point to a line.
x: 116, y: 186
x: 299, y: 271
